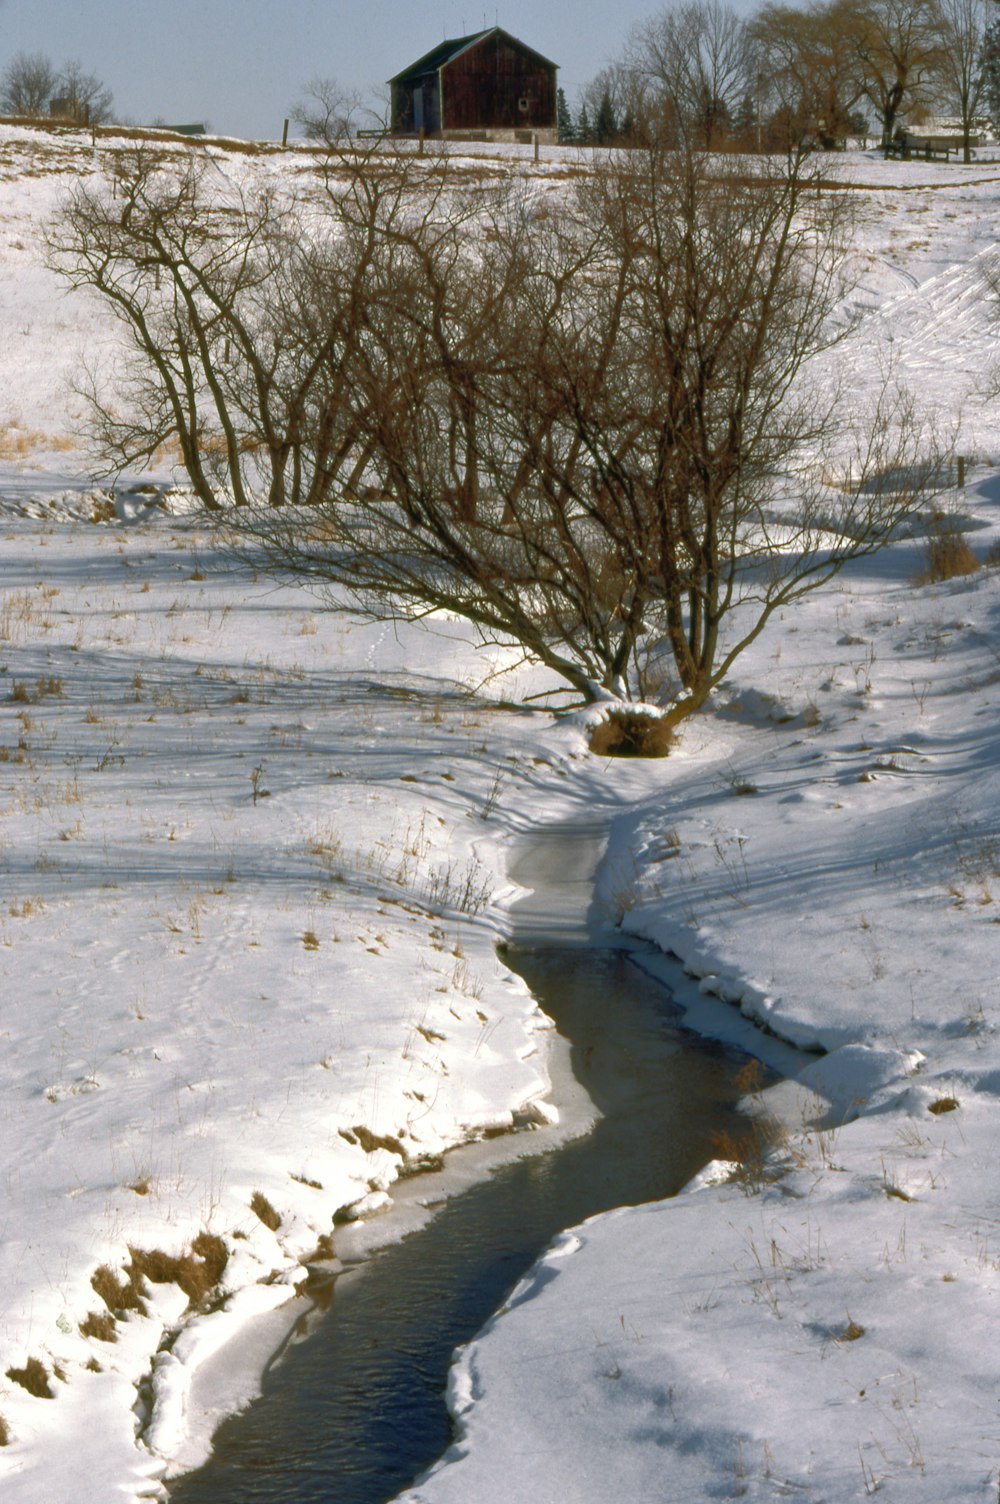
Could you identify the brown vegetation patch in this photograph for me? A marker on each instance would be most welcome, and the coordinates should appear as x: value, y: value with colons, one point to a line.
x: 943, y: 1104
x: 101, y: 1325
x: 948, y: 558
x: 749, y: 1152
x: 632, y: 733
x: 119, y: 1295
x: 947, y: 555
x: 34, y: 1378
x: 196, y: 1272
x: 371, y: 1141
x: 262, y: 1208
x: 750, y: 1149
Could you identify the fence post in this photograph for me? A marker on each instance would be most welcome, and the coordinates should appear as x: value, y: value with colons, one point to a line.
x: 961, y: 472
x: 284, y: 134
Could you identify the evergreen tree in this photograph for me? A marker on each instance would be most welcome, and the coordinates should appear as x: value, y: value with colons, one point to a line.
x: 564, y: 120
x: 606, y: 124
x: 584, y: 129
x: 991, y: 72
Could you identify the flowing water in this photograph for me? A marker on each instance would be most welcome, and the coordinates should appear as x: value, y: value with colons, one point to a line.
x: 354, y: 1413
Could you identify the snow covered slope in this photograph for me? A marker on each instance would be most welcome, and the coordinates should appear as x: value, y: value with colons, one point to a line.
x: 253, y: 864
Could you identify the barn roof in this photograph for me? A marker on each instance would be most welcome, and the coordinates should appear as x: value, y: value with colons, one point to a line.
x: 444, y: 52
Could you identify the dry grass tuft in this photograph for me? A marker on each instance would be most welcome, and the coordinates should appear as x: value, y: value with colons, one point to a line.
x: 852, y: 1331
x: 262, y: 1208
x: 751, y: 1150
x: 943, y: 1104
x: 34, y: 1378
x: 632, y: 733
x: 119, y: 1295
x: 102, y: 510
x: 947, y: 555
x: 17, y: 443
x: 370, y: 1141
x: 196, y: 1272
x: 99, y: 1324
x: 48, y: 687
x: 4, y: 1433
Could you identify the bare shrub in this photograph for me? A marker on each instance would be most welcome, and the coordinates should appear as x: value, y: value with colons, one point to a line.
x: 589, y: 432
x: 632, y: 733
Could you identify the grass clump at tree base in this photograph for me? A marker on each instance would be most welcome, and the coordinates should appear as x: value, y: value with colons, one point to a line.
x: 632, y: 733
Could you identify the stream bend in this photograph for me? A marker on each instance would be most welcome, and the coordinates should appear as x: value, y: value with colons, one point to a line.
x: 356, y: 1412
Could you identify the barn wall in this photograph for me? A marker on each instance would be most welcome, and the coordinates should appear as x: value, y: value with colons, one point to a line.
x: 416, y: 105
x: 485, y: 86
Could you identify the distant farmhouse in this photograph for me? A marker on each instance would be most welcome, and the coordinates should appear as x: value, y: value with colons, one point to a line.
x: 486, y: 87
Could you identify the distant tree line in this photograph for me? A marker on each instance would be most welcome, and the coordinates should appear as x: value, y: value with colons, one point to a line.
x: 788, y: 74
x: 31, y: 85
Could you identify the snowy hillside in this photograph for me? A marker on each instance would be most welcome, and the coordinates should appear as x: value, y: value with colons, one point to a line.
x: 253, y: 867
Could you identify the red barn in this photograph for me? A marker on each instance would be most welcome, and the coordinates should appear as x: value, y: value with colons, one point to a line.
x: 488, y: 87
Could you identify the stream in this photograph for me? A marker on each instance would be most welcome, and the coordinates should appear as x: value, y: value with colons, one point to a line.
x: 355, y: 1411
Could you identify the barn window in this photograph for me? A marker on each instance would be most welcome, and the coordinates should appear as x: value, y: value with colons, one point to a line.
x: 524, y: 104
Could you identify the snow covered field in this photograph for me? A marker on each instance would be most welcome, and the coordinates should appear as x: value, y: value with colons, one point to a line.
x: 253, y: 868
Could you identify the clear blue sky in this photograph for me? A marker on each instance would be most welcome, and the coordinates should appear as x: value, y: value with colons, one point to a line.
x: 241, y: 64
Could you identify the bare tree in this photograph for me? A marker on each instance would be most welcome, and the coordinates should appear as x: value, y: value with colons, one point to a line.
x: 964, y: 71
x: 85, y: 98
x: 593, y: 433
x: 233, y: 321
x: 809, y: 67
x: 695, y: 67
x: 329, y: 113
x: 27, y: 84
x: 900, y: 50
x: 616, y: 97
